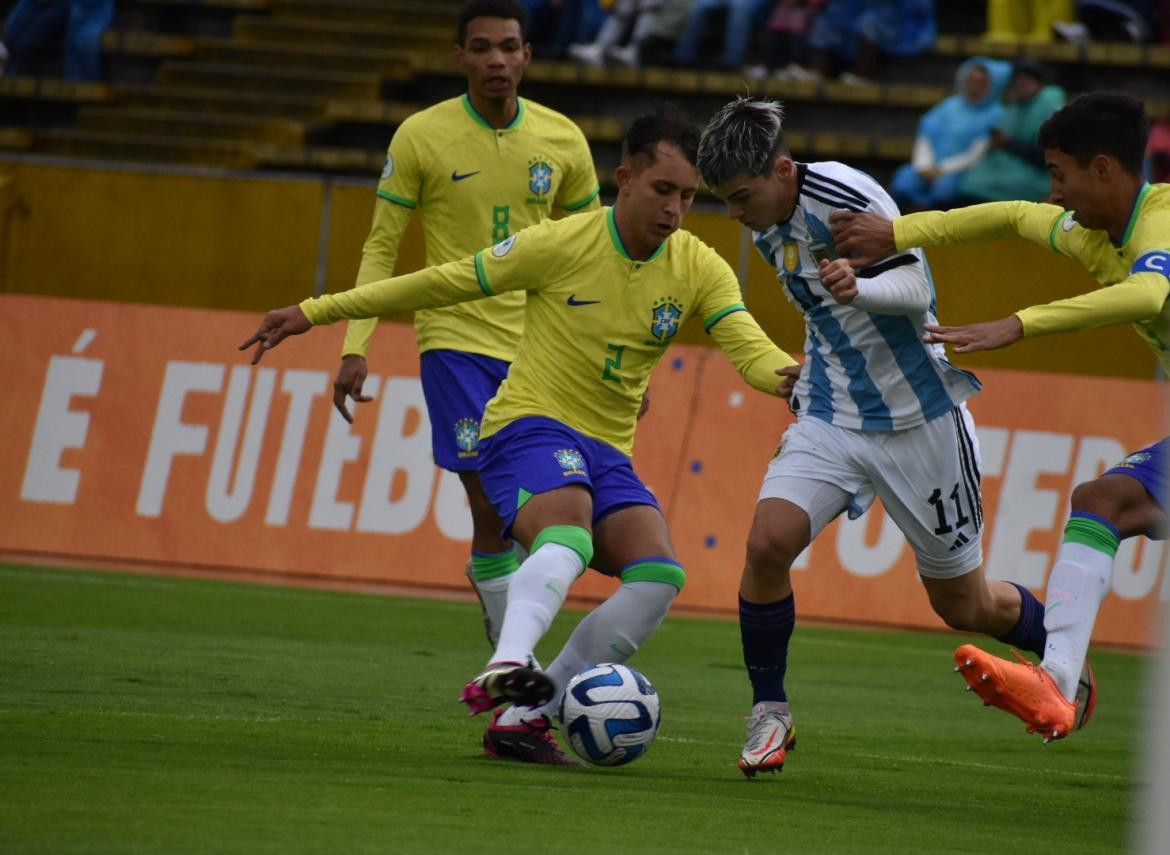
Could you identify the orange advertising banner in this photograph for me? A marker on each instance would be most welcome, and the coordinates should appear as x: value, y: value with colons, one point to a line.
x: 139, y: 434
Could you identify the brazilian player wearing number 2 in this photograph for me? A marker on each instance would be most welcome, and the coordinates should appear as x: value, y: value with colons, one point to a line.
x: 880, y: 413
x: 476, y: 168
x: 606, y: 293
x: 1117, y: 226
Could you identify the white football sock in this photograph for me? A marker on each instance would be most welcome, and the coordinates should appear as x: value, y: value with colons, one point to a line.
x: 493, y: 593
x: 1079, y: 582
x: 612, y: 632
x: 535, y: 595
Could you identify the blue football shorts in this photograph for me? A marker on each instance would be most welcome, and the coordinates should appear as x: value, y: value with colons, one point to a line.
x: 457, y: 387
x: 1149, y: 467
x: 536, y: 454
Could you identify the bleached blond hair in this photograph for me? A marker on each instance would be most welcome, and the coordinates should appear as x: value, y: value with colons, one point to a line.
x: 743, y: 138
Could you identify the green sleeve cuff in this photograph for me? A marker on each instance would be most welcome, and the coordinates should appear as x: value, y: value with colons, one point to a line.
x: 397, y: 200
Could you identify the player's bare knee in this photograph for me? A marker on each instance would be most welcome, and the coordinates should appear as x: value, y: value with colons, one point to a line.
x: 769, y: 555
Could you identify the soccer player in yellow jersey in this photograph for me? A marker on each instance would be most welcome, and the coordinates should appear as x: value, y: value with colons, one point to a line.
x: 1110, y: 220
x: 477, y: 169
x: 607, y: 293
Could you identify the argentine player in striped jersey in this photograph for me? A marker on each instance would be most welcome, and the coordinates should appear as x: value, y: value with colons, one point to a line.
x: 1117, y: 226
x: 879, y: 413
x: 476, y: 168
x: 606, y: 293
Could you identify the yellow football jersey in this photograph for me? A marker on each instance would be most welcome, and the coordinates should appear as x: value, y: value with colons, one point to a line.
x: 473, y: 185
x: 596, y: 322
x: 1137, y: 272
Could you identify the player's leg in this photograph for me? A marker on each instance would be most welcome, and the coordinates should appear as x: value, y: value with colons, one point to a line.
x: 928, y: 480
x: 1126, y: 501
x: 536, y: 473
x: 457, y: 387
x: 632, y: 542
x: 493, y: 557
x: 809, y: 482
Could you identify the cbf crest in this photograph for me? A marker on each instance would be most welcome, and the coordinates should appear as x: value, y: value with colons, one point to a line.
x: 540, y: 180
x: 467, y: 437
x: 571, y: 461
x: 665, y: 316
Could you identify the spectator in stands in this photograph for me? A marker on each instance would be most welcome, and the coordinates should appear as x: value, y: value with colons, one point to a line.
x: 952, y: 136
x: 627, y: 26
x: 559, y: 23
x: 1026, y: 20
x: 654, y: 45
x: 1158, y: 152
x: 786, y: 41
x: 1109, y: 21
x: 33, y: 23
x: 855, y: 33
x: 1013, y: 167
x: 743, y: 16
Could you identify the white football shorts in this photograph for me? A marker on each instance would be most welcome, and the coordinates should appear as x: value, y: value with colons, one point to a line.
x: 927, y: 478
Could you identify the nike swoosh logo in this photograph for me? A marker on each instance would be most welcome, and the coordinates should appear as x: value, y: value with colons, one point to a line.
x: 455, y: 176
x: 573, y: 301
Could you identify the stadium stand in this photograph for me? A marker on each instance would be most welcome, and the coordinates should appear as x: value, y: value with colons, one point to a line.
x: 320, y: 86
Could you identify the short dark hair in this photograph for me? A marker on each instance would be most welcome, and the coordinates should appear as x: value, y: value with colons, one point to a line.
x: 511, y: 9
x: 744, y: 137
x: 666, y: 124
x: 1111, y: 123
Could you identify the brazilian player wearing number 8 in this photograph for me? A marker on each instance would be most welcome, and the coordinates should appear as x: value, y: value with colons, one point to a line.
x: 476, y: 168
x: 606, y: 294
x: 1108, y: 218
x: 879, y: 413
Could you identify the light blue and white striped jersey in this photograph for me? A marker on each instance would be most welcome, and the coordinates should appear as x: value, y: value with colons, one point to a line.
x: 862, y: 370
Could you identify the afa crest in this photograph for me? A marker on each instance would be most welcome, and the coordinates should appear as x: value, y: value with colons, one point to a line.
x: 665, y: 316
x: 467, y: 437
x: 571, y: 461
x: 791, y: 256
x: 539, y: 176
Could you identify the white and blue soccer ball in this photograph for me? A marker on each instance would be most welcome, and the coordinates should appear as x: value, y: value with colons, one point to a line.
x: 610, y: 714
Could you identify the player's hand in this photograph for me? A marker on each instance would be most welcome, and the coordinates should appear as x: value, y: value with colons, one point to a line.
x: 790, y: 374
x: 277, y: 325
x: 989, y: 335
x: 839, y: 280
x: 645, y: 405
x: 348, y: 383
x: 867, y: 238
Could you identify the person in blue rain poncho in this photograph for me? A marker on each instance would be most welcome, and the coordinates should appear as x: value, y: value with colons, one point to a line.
x: 952, y: 137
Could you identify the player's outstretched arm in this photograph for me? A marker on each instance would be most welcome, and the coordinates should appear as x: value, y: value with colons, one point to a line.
x: 864, y: 237
x: 277, y: 325
x: 989, y: 335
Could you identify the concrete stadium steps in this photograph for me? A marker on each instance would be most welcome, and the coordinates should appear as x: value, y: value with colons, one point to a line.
x: 192, y: 18
x: 275, y: 81
x: 15, y: 139
x: 54, y: 90
x: 375, y: 13
x: 146, y: 44
x: 223, y: 101
x: 681, y: 83
x: 343, y: 35
x: 274, y: 56
x: 356, y: 161
x: 1150, y: 56
x: 229, y: 154
x: 197, y: 125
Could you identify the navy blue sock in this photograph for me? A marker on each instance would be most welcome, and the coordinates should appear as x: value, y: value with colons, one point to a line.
x: 1029, y: 633
x: 765, y: 630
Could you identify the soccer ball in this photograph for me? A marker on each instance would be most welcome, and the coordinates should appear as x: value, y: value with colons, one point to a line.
x: 610, y: 713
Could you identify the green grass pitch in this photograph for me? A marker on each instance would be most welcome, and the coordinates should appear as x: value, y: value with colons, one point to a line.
x: 148, y: 714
